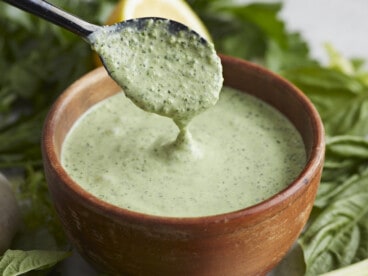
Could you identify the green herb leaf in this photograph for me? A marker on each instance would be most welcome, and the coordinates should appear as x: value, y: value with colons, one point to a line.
x: 242, y: 30
x: 337, y: 231
x: 338, y: 235
x: 17, y: 262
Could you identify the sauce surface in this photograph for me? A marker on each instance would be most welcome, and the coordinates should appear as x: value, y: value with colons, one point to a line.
x: 242, y: 152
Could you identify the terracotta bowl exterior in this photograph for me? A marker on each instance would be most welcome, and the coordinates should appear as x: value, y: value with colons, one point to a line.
x: 245, y: 242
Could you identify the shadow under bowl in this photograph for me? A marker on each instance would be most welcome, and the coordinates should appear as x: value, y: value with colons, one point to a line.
x: 250, y: 241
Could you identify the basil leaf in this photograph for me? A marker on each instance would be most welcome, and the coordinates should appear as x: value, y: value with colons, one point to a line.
x: 279, y: 58
x: 17, y: 262
x: 347, y: 146
x: 338, y: 235
x: 242, y: 30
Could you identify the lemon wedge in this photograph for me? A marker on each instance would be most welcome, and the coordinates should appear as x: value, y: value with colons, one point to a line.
x: 177, y: 10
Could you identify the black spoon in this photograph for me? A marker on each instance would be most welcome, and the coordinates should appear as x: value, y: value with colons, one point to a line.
x: 80, y: 27
x: 55, y: 15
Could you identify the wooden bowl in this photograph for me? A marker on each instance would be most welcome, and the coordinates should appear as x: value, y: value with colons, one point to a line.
x: 246, y: 242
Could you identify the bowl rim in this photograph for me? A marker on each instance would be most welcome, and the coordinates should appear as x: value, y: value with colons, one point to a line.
x: 293, y: 190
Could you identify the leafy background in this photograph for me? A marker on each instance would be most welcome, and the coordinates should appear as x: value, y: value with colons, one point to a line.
x: 39, y: 60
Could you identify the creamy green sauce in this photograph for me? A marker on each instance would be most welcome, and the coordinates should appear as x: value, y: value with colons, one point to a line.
x: 235, y: 154
x: 172, y: 73
x: 244, y: 152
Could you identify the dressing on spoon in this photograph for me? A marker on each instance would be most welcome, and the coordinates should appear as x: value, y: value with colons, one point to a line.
x: 169, y: 71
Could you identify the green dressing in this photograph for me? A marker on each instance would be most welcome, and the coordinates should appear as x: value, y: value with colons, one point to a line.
x: 235, y: 154
x: 245, y: 152
x: 174, y: 73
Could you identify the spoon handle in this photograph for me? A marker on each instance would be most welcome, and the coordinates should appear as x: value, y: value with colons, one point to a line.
x: 55, y: 15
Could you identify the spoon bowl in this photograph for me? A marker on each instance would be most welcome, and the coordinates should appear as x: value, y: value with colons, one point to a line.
x: 159, y: 64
